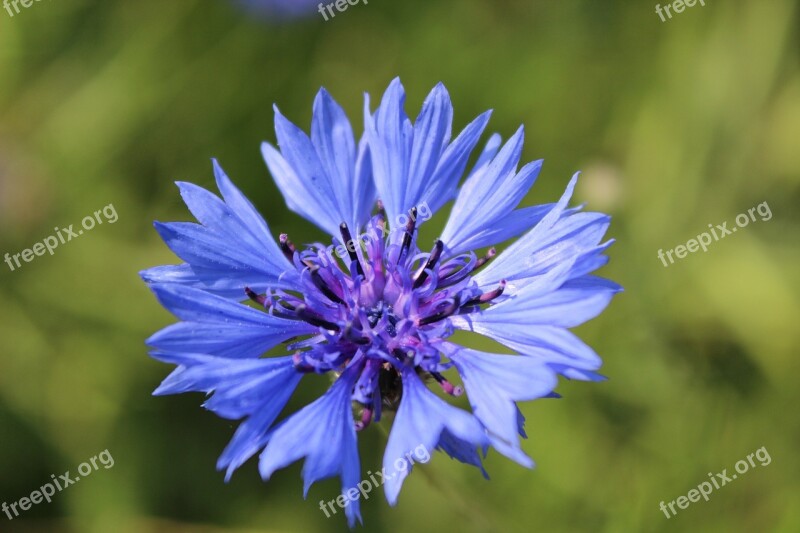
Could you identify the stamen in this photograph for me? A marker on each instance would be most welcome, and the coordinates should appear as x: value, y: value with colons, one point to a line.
x: 448, y: 387
x: 456, y: 270
x: 488, y: 296
x: 381, y: 222
x: 381, y: 209
x: 287, y: 247
x: 351, y: 247
x: 286, y: 305
x: 300, y: 364
x: 309, y: 316
x: 366, y: 418
x: 444, y: 313
x: 490, y: 253
x: 436, y: 253
x: 409, y: 235
x: 319, y: 283
x: 260, y: 299
x: 353, y: 335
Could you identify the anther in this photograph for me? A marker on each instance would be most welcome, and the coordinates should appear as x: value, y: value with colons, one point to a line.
x: 487, y: 297
x: 410, y: 225
x: 353, y: 336
x: 299, y: 364
x: 448, y: 387
x: 319, y: 283
x: 490, y: 253
x: 304, y: 313
x: 287, y: 247
x: 422, y: 274
x: 401, y: 355
x: 366, y: 418
x: 351, y: 247
x: 451, y: 308
x: 260, y: 299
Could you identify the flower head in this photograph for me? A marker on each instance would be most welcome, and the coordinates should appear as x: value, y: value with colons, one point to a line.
x: 282, y: 9
x: 373, y: 309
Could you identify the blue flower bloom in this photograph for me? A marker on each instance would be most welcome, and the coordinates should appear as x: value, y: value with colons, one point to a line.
x: 372, y: 309
x: 281, y: 8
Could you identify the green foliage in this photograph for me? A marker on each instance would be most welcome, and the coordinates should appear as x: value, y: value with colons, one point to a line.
x: 675, y: 125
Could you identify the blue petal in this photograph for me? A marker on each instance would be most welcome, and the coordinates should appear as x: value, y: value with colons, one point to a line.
x: 299, y: 175
x: 324, y: 433
x: 254, y: 388
x: 578, y: 374
x: 281, y: 9
x: 561, y: 235
x: 489, y: 196
x: 452, y: 164
x: 488, y: 153
x: 182, y: 274
x: 550, y: 344
x: 221, y: 327
x: 508, y: 322
x: 333, y: 141
x: 511, y: 225
x: 421, y: 420
x: 390, y: 135
x: 416, y: 165
x: 324, y: 178
x: 494, y: 383
x: 572, y: 304
x: 462, y: 451
x: 431, y: 137
x: 247, y: 214
x: 349, y: 170
x: 231, y: 247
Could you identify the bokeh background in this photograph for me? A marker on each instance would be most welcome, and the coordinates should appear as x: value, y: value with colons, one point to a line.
x: 674, y: 124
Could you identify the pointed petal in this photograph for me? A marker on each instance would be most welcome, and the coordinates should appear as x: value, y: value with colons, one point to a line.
x: 494, y: 383
x: 248, y: 216
x: 417, y: 165
x: 300, y: 176
x: 255, y: 389
x: 452, y: 164
x: 217, y: 326
x: 421, y: 420
x: 462, y: 451
x: 512, y: 224
x: 556, y: 238
x: 550, y: 344
x: 570, y: 305
x: 431, y: 136
x: 390, y: 134
x: 489, y: 196
x: 324, y: 434
x: 488, y: 153
x: 231, y: 247
x: 346, y: 168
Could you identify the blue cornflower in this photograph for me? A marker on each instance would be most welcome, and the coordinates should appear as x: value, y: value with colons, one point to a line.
x: 282, y: 8
x: 371, y: 309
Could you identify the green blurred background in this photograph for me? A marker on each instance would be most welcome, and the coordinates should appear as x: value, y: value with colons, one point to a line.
x: 674, y: 124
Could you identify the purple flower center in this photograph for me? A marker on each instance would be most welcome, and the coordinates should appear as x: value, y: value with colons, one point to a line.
x: 383, y: 306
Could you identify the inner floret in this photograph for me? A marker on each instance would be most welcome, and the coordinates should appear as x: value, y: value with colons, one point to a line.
x: 379, y: 303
